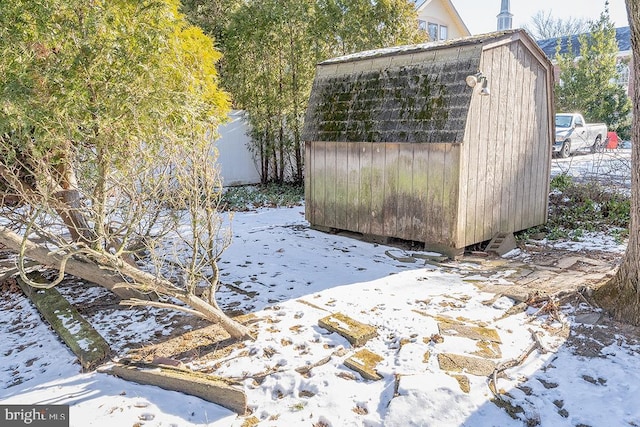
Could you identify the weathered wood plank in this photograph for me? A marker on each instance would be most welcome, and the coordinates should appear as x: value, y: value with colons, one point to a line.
x: 451, y: 195
x: 547, y: 130
x: 330, y: 184
x: 364, y: 209
x: 391, y: 173
x: 78, y: 334
x: 463, y: 189
x: 405, y: 190
x: 510, y: 140
x: 520, y: 116
x: 434, y: 213
x: 490, y: 204
x: 536, y: 182
x: 319, y: 183
x: 353, y: 184
x: 440, y: 211
x: 469, y: 172
x: 503, y: 163
x: 483, y: 177
x: 529, y: 125
x: 377, y: 189
x: 342, y: 185
x: 542, y: 153
x: 418, y: 201
x: 309, y: 178
x: 211, y: 389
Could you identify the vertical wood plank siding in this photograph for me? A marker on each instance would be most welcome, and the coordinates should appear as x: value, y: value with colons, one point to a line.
x: 408, y: 191
x: 391, y: 176
x: 506, y: 151
x: 352, y: 204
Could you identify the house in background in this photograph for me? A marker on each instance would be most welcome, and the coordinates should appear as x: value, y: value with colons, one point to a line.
x: 440, y: 19
x: 624, y: 57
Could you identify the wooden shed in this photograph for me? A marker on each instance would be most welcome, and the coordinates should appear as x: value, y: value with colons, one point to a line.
x: 399, y: 145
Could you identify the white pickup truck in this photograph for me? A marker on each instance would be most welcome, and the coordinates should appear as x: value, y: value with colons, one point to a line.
x: 573, y: 134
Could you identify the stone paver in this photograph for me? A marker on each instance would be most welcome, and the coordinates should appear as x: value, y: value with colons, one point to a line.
x: 471, y: 365
x: 364, y: 362
x: 463, y: 382
x: 466, y: 331
x: 355, y: 332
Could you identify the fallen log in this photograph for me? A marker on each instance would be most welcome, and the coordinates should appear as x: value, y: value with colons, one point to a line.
x: 210, y: 388
x: 83, y: 340
x: 107, y: 270
x: 84, y: 270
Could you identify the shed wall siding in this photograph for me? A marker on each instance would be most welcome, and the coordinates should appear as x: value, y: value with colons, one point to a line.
x: 401, y: 190
x: 507, y: 148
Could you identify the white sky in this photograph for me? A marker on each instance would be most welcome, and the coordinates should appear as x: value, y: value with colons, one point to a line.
x: 480, y: 16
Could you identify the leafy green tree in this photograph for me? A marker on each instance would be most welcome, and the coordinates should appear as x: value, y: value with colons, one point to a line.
x: 212, y: 16
x: 356, y: 25
x: 102, y: 104
x: 269, y: 66
x: 589, y: 83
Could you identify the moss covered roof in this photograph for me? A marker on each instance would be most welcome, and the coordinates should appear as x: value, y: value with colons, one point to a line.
x: 411, y: 93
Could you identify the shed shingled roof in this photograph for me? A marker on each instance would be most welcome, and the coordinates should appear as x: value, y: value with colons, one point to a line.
x: 418, y: 94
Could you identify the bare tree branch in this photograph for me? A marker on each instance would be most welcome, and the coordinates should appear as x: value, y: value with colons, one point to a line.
x: 544, y: 26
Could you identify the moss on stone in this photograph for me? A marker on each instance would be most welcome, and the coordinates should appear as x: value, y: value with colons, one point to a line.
x: 364, y: 362
x: 355, y: 332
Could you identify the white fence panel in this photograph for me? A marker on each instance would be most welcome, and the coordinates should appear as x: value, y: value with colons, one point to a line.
x: 236, y: 163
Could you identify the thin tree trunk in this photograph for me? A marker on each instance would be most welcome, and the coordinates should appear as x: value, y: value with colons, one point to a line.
x: 281, y: 118
x: 265, y: 156
x: 296, y: 123
x: 621, y: 295
x: 204, y: 309
x: 69, y: 210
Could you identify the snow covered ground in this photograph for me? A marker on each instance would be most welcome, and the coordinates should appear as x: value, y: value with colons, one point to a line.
x: 610, y: 167
x: 297, y: 276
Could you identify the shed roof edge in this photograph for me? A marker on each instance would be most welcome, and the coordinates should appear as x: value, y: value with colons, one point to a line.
x: 422, y: 47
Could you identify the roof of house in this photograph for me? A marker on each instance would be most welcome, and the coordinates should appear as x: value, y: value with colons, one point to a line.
x: 548, y: 46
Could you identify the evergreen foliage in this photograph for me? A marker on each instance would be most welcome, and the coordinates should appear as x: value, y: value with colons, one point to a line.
x: 103, y: 75
x: 588, y: 84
